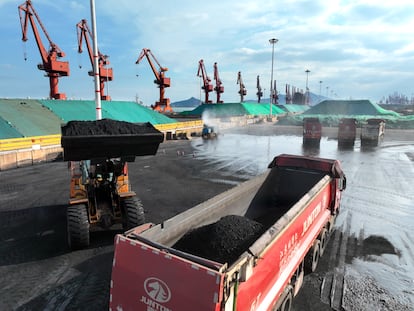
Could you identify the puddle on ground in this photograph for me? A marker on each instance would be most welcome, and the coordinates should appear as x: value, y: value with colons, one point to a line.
x: 377, y: 245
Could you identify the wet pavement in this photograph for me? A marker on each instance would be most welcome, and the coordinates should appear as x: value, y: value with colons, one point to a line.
x: 371, y: 264
x: 368, y: 265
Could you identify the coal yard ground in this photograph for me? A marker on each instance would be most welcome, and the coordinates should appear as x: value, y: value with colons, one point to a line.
x: 368, y: 264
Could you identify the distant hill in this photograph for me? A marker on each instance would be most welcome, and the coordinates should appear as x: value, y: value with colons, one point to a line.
x: 191, y: 102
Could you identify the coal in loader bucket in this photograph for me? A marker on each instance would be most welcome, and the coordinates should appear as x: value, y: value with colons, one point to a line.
x: 108, y: 138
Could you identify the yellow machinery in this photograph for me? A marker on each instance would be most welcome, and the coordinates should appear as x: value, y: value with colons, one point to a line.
x: 100, y: 193
x: 100, y: 199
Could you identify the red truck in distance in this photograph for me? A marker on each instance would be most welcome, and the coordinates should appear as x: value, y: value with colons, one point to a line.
x: 347, y: 132
x: 312, y: 132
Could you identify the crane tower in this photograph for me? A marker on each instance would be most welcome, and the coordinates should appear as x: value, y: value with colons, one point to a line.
x: 219, y: 88
x: 242, y: 90
x: 51, y: 64
x: 163, y: 105
x: 105, y: 74
x: 207, y: 85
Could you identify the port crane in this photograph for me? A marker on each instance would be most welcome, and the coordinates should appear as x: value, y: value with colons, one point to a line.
x: 259, y: 90
x: 105, y: 74
x: 207, y: 85
x: 163, y: 105
x: 288, y: 96
x: 51, y: 64
x: 242, y: 90
x: 275, y: 97
x: 219, y: 88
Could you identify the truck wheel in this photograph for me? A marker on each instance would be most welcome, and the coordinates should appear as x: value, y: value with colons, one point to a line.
x: 78, y: 226
x: 312, y: 257
x: 287, y: 302
x: 323, y: 241
x: 134, y: 212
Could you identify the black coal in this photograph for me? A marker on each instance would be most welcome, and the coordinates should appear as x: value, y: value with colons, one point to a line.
x: 106, y: 127
x: 222, y: 241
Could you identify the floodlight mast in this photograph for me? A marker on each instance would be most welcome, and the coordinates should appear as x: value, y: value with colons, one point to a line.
x: 272, y: 41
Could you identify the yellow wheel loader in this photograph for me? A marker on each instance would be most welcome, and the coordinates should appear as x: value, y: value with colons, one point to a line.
x: 98, y: 153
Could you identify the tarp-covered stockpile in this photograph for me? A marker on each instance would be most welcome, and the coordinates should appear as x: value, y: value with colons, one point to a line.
x: 69, y: 110
x: 25, y: 118
x: 233, y: 110
x: 329, y: 112
x: 294, y: 109
x: 350, y: 108
x: 30, y: 117
x: 261, y: 109
x: 7, y: 130
x: 106, y: 138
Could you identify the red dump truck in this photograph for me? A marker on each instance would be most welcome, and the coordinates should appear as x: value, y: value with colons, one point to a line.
x: 312, y: 131
x: 372, y: 132
x: 245, y: 249
x: 347, y: 132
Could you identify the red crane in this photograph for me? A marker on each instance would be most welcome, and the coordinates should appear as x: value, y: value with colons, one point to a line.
x: 219, y: 85
x: 207, y: 85
x: 53, y: 67
x: 242, y: 90
x: 163, y: 105
x: 259, y: 90
x: 105, y: 74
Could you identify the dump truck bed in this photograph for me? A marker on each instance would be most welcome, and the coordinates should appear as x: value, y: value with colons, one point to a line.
x: 107, y: 138
x: 292, y: 203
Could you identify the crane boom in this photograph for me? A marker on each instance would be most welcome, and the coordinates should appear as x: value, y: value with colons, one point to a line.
x: 207, y: 85
x: 163, y: 105
x: 242, y: 90
x: 219, y: 88
x: 50, y: 63
x: 105, y: 74
x: 259, y: 90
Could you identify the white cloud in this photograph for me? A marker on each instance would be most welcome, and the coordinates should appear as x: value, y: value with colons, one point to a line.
x: 345, y: 43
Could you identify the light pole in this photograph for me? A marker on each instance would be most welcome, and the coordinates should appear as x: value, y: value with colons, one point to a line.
x: 98, y: 108
x: 307, y: 88
x: 272, y: 42
x: 320, y: 91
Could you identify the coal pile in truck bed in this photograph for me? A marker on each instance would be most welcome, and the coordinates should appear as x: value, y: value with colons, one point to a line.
x: 105, y: 127
x: 222, y: 241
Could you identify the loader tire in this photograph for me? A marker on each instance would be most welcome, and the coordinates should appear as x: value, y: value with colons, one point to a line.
x: 133, y: 212
x: 77, y: 226
x: 312, y: 258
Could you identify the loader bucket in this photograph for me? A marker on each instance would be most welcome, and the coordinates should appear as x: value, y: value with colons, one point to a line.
x: 108, y: 138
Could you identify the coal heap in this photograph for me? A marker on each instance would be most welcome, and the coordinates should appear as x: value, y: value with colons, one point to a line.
x: 106, y: 127
x: 222, y: 241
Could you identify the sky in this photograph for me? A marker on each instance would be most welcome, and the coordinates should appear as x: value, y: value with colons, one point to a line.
x: 353, y: 49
